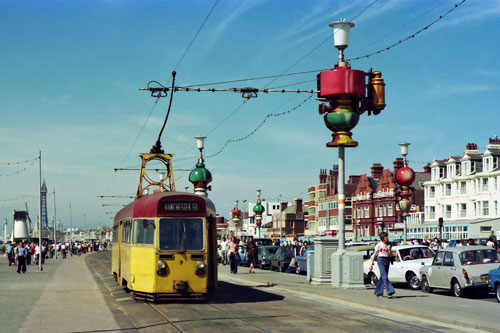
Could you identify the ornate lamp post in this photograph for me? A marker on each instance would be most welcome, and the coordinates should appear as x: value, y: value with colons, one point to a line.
x: 405, y: 177
x: 258, y: 209
x: 200, y: 176
x: 347, y: 94
x: 236, y: 214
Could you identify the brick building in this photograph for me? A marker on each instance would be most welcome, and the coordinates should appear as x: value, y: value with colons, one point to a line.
x: 292, y: 220
x: 375, y: 201
x: 322, y: 204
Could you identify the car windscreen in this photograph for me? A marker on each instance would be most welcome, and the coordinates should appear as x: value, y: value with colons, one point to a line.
x: 416, y: 253
x: 271, y: 250
x: 181, y: 234
x: 474, y: 257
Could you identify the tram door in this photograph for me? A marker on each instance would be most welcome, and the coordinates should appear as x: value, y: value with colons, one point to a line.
x: 120, y: 250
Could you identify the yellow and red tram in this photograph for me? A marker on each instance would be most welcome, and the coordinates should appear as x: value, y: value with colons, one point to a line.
x: 164, y: 246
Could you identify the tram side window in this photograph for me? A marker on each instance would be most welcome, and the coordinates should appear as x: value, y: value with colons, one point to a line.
x: 115, y: 234
x: 126, y: 232
x: 144, y: 231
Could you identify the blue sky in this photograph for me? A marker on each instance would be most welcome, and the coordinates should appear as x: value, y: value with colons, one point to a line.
x: 71, y: 72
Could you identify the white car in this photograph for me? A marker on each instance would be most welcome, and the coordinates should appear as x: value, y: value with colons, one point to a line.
x: 408, y: 260
x: 460, y: 269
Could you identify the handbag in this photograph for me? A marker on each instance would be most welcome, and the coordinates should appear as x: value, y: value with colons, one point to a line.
x: 292, y: 263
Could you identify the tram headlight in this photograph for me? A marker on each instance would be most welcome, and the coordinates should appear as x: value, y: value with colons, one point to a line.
x: 200, y: 265
x: 162, y: 265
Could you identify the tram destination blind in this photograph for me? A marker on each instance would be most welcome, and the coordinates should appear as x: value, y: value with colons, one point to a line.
x: 181, y: 206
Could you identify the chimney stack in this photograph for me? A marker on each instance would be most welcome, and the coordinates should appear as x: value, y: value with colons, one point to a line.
x: 322, y: 176
x: 377, y: 169
x: 398, y: 164
x: 298, y: 205
x: 283, y: 205
x: 427, y: 168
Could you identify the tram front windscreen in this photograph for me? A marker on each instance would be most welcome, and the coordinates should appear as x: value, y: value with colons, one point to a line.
x: 181, y: 234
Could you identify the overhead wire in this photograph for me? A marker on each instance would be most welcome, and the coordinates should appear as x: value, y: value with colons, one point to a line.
x: 196, y: 34
x: 323, y: 69
x: 19, y: 162
x: 135, y: 141
x: 18, y: 171
x: 259, y: 126
x: 410, y: 36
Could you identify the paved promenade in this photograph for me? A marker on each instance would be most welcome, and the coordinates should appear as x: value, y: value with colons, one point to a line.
x: 438, y: 307
x: 64, y: 297
x: 79, y: 295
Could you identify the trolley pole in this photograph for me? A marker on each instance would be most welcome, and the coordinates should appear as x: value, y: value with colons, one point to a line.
x: 40, y: 268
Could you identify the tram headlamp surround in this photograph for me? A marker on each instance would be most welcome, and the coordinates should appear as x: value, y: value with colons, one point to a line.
x: 200, y: 265
x: 162, y: 265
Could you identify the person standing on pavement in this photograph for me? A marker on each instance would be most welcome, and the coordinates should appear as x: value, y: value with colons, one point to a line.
x: 21, y: 258
x: 232, y: 250
x: 223, y: 248
x: 295, y: 252
x: 383, y: 253
x: 10, y: 252
x: 251, y: 253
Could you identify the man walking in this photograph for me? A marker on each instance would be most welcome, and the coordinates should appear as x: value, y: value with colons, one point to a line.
x: 10, y: 252
x: 21, y: 258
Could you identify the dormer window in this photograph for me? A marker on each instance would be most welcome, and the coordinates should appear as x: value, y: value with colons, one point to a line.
x: 450, y: 171
x: 465, y: 168
x: 487, y: 163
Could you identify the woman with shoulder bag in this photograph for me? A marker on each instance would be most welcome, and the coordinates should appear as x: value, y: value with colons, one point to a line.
x: 383, y: 255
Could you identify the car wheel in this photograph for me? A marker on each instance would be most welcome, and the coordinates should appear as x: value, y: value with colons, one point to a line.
x: 373, y: 279
x: 413, y: 281
x: 426, y: 287
x: 458, y: 291
x: 497, y: 291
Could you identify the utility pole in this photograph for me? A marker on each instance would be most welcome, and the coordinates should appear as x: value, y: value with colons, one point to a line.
x: 70, y: 229
x: 40, y: 268
x: 281, y: 227
x: 85, y: 222
x: 54, y: 223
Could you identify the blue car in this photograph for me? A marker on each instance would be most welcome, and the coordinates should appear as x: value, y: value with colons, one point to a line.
x: 494, y: 277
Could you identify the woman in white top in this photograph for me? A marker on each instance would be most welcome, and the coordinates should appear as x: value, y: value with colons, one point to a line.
x: 383, y: 253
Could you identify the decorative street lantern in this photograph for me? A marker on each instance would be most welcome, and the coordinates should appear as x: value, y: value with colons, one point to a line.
x: 405, y: 177
x: 236, y: 213
x: 347, y: 93
x: 258, y: 209
x: 200, y: 176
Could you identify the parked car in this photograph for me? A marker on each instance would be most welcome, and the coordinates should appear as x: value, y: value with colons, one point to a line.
x: 263, y: 241
x: 265, y: 254
x: 301, y: 261
x: 367, y: 250
x: 281, y: 259
x: 408, y: 260
x: 494, y: 278
x: 460, y: 269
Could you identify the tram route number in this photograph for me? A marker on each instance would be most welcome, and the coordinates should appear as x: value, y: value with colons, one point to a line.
x: 182, y: 206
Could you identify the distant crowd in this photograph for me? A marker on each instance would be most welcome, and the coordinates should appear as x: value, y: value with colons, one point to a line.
x: 437, y: 244
x: 23, y: 253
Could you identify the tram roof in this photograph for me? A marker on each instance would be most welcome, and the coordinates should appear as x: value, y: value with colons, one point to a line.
x: 147, y: 205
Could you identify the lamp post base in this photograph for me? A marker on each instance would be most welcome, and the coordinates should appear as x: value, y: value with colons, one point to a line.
x: 347, y: 270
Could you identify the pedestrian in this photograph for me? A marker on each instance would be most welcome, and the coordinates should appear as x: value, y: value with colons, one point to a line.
x: 63, y: 250
x: 223, y: 248
x: 251, y: 253
x: 21, y: 258
x: 295, y: 252
x: 10, y: 253
x: 383, y: 253
x: 28, y: 254
x: 490, y: 243
x: 232, y: 251
x: 435, y: 245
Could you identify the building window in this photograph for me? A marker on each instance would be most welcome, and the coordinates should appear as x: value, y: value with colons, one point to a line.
x: 432, y: 192
x: 367, y: 212
x: 485, y: 184
x: 463, y: 187
x: 463, y: 210
x: 389, y: 210
x: 448, y: 212
x: 432, y: 212
x: 486, y: 208
x: 321, y: 194
x: 485, y: 228
x: 448, y: 190
x: 496, y: 207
